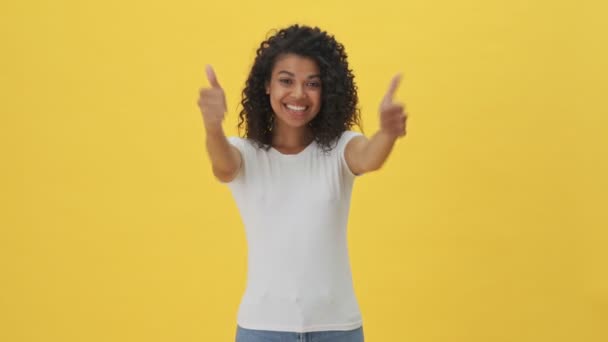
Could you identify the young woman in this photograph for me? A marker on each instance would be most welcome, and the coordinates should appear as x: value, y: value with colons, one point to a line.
x: 291, y: 177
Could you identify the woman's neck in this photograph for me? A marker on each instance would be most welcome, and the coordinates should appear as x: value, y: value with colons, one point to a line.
x: 291, y: 138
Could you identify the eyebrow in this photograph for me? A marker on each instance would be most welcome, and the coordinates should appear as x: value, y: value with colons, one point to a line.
x: 292, y: 75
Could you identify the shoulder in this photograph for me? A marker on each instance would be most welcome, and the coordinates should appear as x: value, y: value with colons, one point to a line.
x: 242, y: 144
x: 235, y: 140
x: 347, y: 143
x: 353, y: 145
x: 346, y: 136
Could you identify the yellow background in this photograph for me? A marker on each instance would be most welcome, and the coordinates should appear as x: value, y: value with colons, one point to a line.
x: 488, y: 222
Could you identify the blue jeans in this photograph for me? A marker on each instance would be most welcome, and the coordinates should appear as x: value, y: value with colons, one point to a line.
x: 250, y: 335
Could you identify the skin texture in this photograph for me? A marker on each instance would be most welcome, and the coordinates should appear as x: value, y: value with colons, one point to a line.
x: 338, y: 110
x: 316, y: 78
x: 365, y: 155
x: 225, y: 158
x: 295, y: 81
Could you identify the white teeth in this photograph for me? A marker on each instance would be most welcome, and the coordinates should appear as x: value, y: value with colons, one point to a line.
x: 295, y: 107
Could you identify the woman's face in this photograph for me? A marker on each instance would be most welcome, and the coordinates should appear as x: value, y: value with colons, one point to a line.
x: 295, y: 90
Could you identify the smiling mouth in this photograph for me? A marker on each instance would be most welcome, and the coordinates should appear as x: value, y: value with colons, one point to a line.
x: 295, y: 108
x: 297, y: 111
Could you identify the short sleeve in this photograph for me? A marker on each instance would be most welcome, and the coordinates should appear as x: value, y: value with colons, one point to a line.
x: 239, y: 143
x: 341, y: 148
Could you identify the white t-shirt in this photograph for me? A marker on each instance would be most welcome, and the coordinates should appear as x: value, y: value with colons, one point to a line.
x: 295, y: 211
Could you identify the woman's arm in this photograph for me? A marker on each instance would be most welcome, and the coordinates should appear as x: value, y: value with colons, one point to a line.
x: 364, y: 155
x: 225, y: 158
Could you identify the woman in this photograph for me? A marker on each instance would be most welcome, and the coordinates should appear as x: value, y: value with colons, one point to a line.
x: 291, y: 177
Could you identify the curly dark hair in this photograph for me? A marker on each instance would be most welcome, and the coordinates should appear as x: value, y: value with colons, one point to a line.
x: 338, y: 112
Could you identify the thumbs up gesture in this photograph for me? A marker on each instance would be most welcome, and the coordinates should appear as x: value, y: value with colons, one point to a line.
x: 393, y: 116
x: 212, y: 102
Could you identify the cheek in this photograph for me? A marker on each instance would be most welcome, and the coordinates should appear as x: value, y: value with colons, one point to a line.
x: 316, y: 98
x: 275, y: 100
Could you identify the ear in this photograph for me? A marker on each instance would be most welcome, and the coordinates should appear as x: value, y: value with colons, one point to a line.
x: 267, y: 88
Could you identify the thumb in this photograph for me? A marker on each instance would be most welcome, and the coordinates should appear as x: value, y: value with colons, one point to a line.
x: 211, y: 77
x: 388, y: 97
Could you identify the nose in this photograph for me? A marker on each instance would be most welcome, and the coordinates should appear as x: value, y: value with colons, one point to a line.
x: 298, y: 92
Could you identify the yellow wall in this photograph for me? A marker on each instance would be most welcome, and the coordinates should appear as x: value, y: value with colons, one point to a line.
x: 488, y: 222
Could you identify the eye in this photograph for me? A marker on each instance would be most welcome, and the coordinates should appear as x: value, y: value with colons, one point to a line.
x: 314, y: 84
x: 286, y: 81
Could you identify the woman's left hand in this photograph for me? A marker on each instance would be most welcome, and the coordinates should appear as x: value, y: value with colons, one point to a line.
x: 393, y: 117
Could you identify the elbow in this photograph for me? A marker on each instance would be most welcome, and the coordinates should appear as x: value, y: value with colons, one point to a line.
x: 371, y: 167
x: 374, y: 166
x: 225, y: 175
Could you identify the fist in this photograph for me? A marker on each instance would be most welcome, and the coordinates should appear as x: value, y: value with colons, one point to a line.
x: 393, y: 116
x: 212, y: 102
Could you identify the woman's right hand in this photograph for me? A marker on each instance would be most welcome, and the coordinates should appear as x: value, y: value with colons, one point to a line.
x: 212, y: 102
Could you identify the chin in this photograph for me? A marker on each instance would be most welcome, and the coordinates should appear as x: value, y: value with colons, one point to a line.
x: 296, y: 124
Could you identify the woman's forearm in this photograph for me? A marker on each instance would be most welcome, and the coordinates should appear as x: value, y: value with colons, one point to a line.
x: 224, y: 158
x: 377, y: 150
